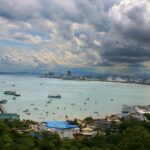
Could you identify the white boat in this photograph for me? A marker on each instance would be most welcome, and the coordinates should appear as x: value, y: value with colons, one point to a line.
x: 54, y: 96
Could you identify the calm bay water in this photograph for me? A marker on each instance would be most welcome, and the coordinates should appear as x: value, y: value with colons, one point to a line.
x: 34, y: 92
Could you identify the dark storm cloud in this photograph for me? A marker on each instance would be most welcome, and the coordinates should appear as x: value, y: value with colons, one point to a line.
x: 124, y: 50
x: 134, y: 21
x: 128, y: 39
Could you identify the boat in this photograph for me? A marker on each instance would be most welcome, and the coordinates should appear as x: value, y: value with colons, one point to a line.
x: 96, y: 112
x: 14, y: 98
x: 111, y: 99
x: 25, y: 111
x: 28, y: 113
x: 54, y: 96
x: 72, y: 104
x: 10, y: 92
x: 3, y: 101
x: 17, y: 94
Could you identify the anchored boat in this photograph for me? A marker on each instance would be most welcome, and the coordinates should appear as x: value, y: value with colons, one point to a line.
x: 11, y: 93
x: 54, y: 96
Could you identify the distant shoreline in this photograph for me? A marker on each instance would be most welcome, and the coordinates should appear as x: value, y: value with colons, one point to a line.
x: 96, y: 80
x: 35, y: 75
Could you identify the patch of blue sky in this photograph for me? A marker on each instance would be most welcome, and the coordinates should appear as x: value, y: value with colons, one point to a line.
x: 34, y: 33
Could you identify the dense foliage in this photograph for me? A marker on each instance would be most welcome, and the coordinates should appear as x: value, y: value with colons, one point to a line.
x: 129, y: 135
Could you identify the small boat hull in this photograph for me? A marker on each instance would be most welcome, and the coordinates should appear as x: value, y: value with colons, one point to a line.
x: 54, y: 96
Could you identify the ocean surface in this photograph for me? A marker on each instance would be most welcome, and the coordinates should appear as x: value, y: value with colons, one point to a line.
x: 79, y: 98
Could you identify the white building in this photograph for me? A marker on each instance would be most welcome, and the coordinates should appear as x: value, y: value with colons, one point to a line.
x: 65, y: 133
x: 63, y: 129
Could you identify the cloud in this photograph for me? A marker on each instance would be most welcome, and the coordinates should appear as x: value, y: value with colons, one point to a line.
x: 27, y: 38
x: 28, y: 59
x: 131, y: 18
x: 100, y: 35
x: 128, y: 38
x: 16, y: 9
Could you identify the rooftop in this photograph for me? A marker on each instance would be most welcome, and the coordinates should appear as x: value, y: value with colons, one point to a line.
x: 60, y: 125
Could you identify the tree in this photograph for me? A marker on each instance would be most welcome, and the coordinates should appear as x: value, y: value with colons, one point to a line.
x: 88, y: 120
x: 135, y: 137
x: 147, y: 116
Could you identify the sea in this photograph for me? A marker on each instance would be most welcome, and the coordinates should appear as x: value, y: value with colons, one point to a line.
x: 79, y: 99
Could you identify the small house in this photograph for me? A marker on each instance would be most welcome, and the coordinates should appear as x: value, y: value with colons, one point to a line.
x: 63, y: 129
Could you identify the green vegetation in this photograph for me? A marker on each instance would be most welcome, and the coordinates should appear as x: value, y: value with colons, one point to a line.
x: 130, y: 134
x: 88, y: 120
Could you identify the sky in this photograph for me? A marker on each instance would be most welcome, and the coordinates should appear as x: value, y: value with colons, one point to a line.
x: 104, y: 36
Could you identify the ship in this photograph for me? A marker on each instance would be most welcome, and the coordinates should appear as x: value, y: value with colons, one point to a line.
x: 54, y: 96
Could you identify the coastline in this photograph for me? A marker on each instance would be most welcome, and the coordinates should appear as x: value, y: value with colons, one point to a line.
x: 73, y: 78
x: 89, y: 80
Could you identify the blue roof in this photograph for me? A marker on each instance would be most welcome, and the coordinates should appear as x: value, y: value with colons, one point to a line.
x: 60, y: 125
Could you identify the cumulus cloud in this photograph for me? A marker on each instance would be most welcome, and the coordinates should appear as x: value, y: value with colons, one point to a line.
x: 30, y: 59
x: 27, y: 38
x: 17, y: 9
x: 128, y: 38
x: 101, y: 35
x: 131, y: 18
